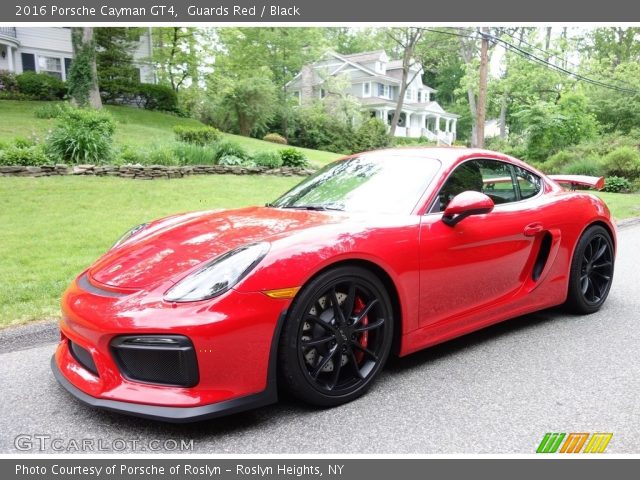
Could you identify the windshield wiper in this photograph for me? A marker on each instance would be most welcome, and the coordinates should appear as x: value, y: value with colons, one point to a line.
x: 318, y: 208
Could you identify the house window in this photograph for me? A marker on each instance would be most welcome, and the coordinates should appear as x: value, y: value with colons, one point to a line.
x: 419, y: 96
x: 28, y: 62
x: 51, y: 66
x: 323, y: 93
x: 383, y: 91
x: 409, y: 95
x: 296, y: 95
x: 366, y: 89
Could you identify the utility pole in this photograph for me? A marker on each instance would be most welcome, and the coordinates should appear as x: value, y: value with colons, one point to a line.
x: 482, y: 91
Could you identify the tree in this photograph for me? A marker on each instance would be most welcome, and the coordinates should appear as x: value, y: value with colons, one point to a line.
x: 116, y: 72
x: 83, y: 76
x: 249, y: 101
x: 177, y: 55
x: 407, y: 39
x: 482, y: 88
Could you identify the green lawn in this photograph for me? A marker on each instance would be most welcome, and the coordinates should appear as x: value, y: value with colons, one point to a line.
x: 54, y: 227
x: 136, y: 127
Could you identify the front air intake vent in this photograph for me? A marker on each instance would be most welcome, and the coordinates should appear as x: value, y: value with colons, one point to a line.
x: 158, y: 359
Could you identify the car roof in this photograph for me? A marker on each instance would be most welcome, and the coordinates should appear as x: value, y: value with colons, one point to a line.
x: 446, y: 155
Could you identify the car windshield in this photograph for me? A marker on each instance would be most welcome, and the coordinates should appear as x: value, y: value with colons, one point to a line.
x: 368, y: 183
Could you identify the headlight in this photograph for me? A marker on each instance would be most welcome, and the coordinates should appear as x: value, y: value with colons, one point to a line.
x: 219, y: 275
x: 129, y: 234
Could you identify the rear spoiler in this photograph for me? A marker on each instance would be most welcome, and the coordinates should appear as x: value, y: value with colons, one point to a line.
x: 579, y: 180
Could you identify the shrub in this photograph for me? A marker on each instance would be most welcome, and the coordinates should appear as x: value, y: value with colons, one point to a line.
x: 228, y: 148
x: 556, y: 163
x: 8, y: 82
x: 406, y: 141
x: 616, y: 185
x: 623, y: 162
x: 230, y: 160
x: 31, y: 156
x: 158, y: 97
x: 192, y: 154
x: 23, y: 142
x: 51, y: 110
x: 196, y: 135
x: 82, y: 136
x: 292, y: 157
x: 268, y: 159
x: 587, y: 166
x: 275, y: 138
x: 371, y: 135
x: 41, y: 86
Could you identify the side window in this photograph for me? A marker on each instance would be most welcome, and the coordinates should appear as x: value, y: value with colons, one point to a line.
x: 530, y: 184
x: 491, y: 177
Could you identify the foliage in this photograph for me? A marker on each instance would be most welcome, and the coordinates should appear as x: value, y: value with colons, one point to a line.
x: 117, y: 75
x: 41, y: 86
x: 554, y: 126
x: 193, y: 154
x: 267, y: 159
x: 616, y: 185
x: 406, y: 141
x: 371, y: 135
x: 230, y: 160
x: 312, y: 127
x: 275, y: 138
x: 623, y: 162
x: 179, y: 54
x: 587, y: 166
x: 51, y: 110
x: 8, y: 82
x: 158, y: 97
x: 292, y: 157
x: 229, y: 148
x: 25, y: 155
x: 82, y: 136
x: 248, y: 103
x: 196, y: 135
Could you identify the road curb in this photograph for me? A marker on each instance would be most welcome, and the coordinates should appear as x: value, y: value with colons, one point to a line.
x: 30, y: 335
x: 628, y: 222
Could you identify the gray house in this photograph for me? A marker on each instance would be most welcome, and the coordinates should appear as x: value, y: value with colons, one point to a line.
x: 375, y: 81
x: 48, y: 50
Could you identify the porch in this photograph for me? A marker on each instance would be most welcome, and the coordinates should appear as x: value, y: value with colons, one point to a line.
x: 436, y: 127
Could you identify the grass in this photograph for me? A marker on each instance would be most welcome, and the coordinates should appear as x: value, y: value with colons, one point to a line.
x: 136, y: 127
x: 622, y: 205
x: 52, y: 228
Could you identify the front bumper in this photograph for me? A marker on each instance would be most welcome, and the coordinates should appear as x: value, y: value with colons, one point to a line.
x: 235, y: 339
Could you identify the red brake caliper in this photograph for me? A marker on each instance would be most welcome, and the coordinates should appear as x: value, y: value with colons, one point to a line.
x: 364, y: 336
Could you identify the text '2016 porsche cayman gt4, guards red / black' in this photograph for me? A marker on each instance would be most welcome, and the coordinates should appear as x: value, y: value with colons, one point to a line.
x: 202, y: 314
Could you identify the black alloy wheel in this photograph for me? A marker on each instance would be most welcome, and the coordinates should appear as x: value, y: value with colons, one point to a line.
x: 591, y: 271
x: 337, y: 337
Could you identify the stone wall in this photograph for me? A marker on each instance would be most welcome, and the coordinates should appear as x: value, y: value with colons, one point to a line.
x: 146, y: 172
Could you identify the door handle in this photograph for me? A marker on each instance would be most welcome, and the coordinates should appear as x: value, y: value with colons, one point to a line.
x: 532, y: 229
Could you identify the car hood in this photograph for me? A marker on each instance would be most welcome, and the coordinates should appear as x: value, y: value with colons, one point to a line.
x: 168, y: 249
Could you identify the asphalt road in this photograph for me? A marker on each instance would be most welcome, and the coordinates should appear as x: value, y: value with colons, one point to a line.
x: 495, y: 391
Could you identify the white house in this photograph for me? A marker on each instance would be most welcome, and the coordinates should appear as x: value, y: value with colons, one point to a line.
x: 375, y: 81
x: 48, y: 50
x: 492, y: 128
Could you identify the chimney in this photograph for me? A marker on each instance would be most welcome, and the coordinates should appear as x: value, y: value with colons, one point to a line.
x: 306, y: 89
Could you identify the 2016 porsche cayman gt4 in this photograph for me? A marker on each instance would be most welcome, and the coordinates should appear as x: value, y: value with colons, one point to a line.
x: 201, y: 314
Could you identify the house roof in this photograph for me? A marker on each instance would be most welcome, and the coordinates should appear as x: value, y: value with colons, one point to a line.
x: 367, y: 57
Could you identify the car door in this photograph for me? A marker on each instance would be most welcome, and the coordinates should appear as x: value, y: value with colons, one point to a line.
x: 481, y: 260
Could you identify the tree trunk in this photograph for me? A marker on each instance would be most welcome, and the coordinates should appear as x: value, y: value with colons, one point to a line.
x: 503, y: 117
x: 85, y: 90
x: 547, y: 44
x: 482, y: 90
x: 408, y: 44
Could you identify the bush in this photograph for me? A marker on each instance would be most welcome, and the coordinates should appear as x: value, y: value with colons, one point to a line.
x: 41, y: 86
x: 421, y: 141
x: 82, y: 136
x: 623, y: 162
x: 51, y: 110
x: 292, y: 157
x: 192, y: 154
x: 587, y: 166
x: 371, y: 135
x: 32, y: 156
x: 158, y: 97
x: 230, y: 160
x: 556, y: 163
x: 275, y: 138
x: 616, y: 185
x: 228, y: 148
x: 196, y: 135
x: 268, y: 159
x: 8, y: 82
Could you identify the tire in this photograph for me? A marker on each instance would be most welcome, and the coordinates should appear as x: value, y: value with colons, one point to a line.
x: 326, y: 356
x: 591, y: 271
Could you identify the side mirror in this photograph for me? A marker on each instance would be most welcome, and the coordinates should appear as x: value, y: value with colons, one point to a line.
x: 465, y: 204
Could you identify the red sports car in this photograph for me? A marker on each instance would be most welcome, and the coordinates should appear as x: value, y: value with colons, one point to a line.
x: 207, y: 313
